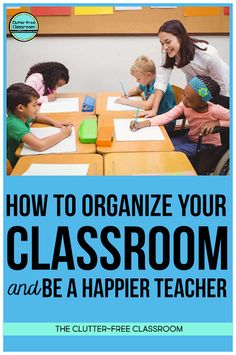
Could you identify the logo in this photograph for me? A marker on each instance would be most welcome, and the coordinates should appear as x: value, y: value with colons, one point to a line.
x: 23, y: 26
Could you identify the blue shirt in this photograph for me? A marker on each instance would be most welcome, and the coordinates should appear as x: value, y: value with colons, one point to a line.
x: 168, y: 99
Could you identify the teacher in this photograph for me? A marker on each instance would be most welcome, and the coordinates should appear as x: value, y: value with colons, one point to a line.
x: 193, y: 57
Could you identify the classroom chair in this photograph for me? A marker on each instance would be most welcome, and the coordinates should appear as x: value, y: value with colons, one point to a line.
x: 181, y: 121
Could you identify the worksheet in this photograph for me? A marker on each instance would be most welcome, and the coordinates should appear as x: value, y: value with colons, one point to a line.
x: 67, y: 104
x: 124, y: 133
x: 65, y: 146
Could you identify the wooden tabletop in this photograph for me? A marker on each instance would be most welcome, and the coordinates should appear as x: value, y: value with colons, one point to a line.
x: 95, y: 162
x: 106, y: 120
x: 148, y: 163
x: 76, y: 119
x: 101, y: 105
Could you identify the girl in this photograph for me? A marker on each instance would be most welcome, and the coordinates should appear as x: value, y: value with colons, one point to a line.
x: 45, y: 78
x: 202, y: 116
x: 193, y: 57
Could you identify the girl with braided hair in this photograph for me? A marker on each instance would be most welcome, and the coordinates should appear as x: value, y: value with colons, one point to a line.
x: 202, y: 116
x: 45, y: 78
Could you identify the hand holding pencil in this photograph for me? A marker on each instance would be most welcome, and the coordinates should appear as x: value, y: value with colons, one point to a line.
x: 135, y: 125
x: 52, y: 95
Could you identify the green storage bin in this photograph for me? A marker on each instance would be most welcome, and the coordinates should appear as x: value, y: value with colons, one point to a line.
x: 88, y: 130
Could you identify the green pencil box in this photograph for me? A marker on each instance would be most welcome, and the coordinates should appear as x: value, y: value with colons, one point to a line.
x: 88, y: 131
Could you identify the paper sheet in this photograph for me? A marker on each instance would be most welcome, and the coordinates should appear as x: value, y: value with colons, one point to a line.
x: 57, y: 169
x: 65, y: 104
x: 112, y: 106
x: 65, y: 146
x: 124, y: 133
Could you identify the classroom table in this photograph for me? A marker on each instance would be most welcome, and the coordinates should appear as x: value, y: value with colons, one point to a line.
x: 81, y: 97
x: 95, y: 162
x: 76, y: 119
x: 148, y: 163
x: 101, y: 105
x: 106, y: 120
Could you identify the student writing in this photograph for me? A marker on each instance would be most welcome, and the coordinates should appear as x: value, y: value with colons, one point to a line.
x: 22, y: 111
x: 193, y: 57
x: 202, y: 115
x: 144, y: 71
x: 45, y: 78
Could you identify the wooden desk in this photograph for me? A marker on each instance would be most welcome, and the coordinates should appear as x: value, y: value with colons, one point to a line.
x: 150, y: 163
x: 101, y: 106
x: 80, y: 147
x: 106, y: 120
x: 81, y: 97
x: 95, y: 162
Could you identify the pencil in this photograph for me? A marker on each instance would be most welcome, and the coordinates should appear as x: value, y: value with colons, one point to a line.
x: 123, y: 88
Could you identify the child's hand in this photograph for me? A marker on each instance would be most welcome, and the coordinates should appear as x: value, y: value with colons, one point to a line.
x: 149, y: 114
x: 60, y: 124
x: 66, y: 131
x: 134, y: 126
x: 122, y: 100
x: 52, y: 97
x: 208, y: 127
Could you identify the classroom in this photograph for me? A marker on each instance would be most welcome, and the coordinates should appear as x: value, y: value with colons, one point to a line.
x: 98, y: 45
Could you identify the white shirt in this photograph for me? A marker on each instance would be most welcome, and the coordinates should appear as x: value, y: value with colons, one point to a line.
x: 205, y: 62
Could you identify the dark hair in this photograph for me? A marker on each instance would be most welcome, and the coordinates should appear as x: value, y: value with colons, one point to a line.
x: 51, y: 72
x: 19, y: 94
x: 211, y: 85
x: 187, y: 44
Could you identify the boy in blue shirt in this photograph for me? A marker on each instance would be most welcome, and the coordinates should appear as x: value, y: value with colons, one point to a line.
x: 144, y: 71
x: 22, y: 111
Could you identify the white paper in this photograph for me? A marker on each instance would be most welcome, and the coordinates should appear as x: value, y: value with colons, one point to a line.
x: 113, y: 106
x: 57, y: 169
x: 124, y: 133
x: 65, y: 146
x: 67, y: 104
x: 128, y: 8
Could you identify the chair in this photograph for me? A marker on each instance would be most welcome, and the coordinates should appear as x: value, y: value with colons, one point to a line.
x: 213, y: 161
x: 179, y: 94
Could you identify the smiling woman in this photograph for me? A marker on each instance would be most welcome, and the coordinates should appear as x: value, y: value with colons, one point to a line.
x: 193, y: 57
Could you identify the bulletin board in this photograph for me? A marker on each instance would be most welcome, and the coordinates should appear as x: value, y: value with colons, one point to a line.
x: 134, y: 22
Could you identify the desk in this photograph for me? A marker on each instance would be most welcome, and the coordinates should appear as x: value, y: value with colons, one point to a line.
x: 76, y: 119
x: 106, y: 120
x: 81, y: 97
x: 101, y: 106
x: 150, y: 163
x: 95, y: 162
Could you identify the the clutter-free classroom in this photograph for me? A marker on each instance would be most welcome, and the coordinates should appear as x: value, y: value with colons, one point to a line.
x: 118, y: 90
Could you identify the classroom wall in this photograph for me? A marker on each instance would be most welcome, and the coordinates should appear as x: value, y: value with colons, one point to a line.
x: 96, y: 63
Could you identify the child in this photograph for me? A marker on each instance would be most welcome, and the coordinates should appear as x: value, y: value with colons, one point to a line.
x: 144, y: 71
x: 202, y: 115
x: 22, y: 110
x: 45, y: 78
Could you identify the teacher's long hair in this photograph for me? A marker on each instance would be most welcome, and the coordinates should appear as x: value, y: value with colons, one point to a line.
x: 187, y: 44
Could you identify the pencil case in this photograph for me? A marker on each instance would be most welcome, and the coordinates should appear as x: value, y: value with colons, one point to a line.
x: 105, y: 136
x: 88, y: 131
x: 88, y: 104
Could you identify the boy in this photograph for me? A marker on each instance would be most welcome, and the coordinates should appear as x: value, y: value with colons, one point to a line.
x: 144, y: 71
x: 22, y: 111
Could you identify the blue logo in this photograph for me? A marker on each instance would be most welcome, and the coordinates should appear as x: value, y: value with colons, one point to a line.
x: 23, y: 26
